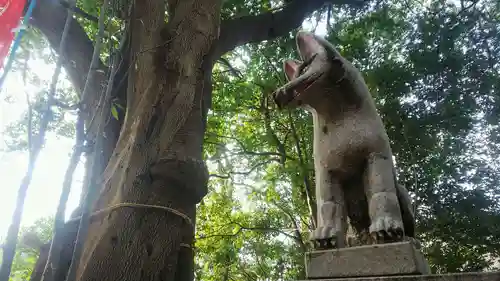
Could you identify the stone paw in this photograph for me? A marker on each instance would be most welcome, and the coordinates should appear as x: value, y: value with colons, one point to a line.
x: 365, y: 238
x: 353, y: 241
x: 324, y: 237
x: 386, y: 230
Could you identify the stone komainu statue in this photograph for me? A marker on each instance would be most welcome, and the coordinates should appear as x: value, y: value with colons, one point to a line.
x: 355, y: 174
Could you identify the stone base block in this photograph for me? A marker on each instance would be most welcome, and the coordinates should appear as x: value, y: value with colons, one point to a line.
x: 480, y: 276
x: 402, y: 258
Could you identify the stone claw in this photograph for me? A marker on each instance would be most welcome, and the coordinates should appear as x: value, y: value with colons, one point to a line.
x: 376, y: 237
x: 324, y: 237
x: 386, y: 230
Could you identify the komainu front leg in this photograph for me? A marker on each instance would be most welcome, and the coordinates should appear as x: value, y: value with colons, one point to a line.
x: 332, y: 218
x: 385, y: 213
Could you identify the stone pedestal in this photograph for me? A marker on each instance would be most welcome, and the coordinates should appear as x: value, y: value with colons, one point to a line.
x: 394, y: 259
x: 385, y: 262
x: 479, y: 276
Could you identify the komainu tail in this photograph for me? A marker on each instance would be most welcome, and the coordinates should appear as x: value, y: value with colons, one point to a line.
x: 406, y: 209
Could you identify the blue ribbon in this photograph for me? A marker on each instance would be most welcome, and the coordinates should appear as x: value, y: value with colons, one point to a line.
x: 17, y: 42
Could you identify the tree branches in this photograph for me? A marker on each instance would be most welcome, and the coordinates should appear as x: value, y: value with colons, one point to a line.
x: 49, y: 17
x: 250, y: 29
x: 242, y: 228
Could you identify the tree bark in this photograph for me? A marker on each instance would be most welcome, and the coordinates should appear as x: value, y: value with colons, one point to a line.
x: 156, y: 158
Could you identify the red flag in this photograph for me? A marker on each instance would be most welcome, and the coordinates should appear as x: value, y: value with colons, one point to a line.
x: 11, y: 12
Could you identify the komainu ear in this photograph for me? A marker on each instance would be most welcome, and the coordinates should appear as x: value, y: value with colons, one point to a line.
x: 307, y: 45
x: 290, y: 67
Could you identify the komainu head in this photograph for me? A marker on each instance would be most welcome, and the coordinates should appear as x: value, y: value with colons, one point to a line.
x: 319, y: 72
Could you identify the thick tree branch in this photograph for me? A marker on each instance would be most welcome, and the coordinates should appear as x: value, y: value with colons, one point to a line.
x: 248, y: 29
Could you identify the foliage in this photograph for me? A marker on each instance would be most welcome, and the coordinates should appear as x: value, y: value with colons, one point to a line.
x: 434, y: 73
x: 26, y: 253
x: 434, y: 78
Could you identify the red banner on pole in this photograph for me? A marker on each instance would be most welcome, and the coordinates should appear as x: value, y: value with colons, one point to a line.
x: 11, y: 12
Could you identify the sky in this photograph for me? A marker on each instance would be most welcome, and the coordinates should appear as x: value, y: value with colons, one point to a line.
x: 45, y: 188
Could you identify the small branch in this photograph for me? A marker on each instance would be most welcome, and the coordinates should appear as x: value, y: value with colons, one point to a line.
x: 263, y: 272
x: 62, y: 105
x: 79, y: 11
x: 224, y: 177
x: 30, y: 109
x: 245, y: 151
x: 276, y: 72
x: 230, y: 174
x: 94, y: 63
x: 307, y: 184
x: 466, y: 8
x: 248, y: 276
x: 318, y: 17
x: 242, y: 228
x: 30, y: 128
x: 298, y: 235
x: 55, y: 246
x: 96, y: 165
x: 49, y: 17
x: 328, y: 19
x: 269, y: 130
x: 253, y: 153
x: 265, y: 229
x: 220, y: 235
x: 231, y: 69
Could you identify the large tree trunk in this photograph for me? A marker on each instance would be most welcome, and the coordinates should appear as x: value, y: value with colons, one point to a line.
x: 158, y: 157
x: 155, y: 157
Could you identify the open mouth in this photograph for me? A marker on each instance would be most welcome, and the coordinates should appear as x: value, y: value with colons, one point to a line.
x: 304, y: 78
x: 297, y: 91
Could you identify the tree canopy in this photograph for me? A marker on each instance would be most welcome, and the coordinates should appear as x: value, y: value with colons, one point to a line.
x: 434, y: 72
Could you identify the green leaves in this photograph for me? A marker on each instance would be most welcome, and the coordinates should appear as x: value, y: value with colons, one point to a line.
x: 114, y: 109
x: 430, y: 73
x: 39, y: 233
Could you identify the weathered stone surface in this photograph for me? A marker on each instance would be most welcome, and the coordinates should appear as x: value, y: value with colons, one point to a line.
x: 348, y: 130
x: 402, y: 258
x: 480, y: 276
